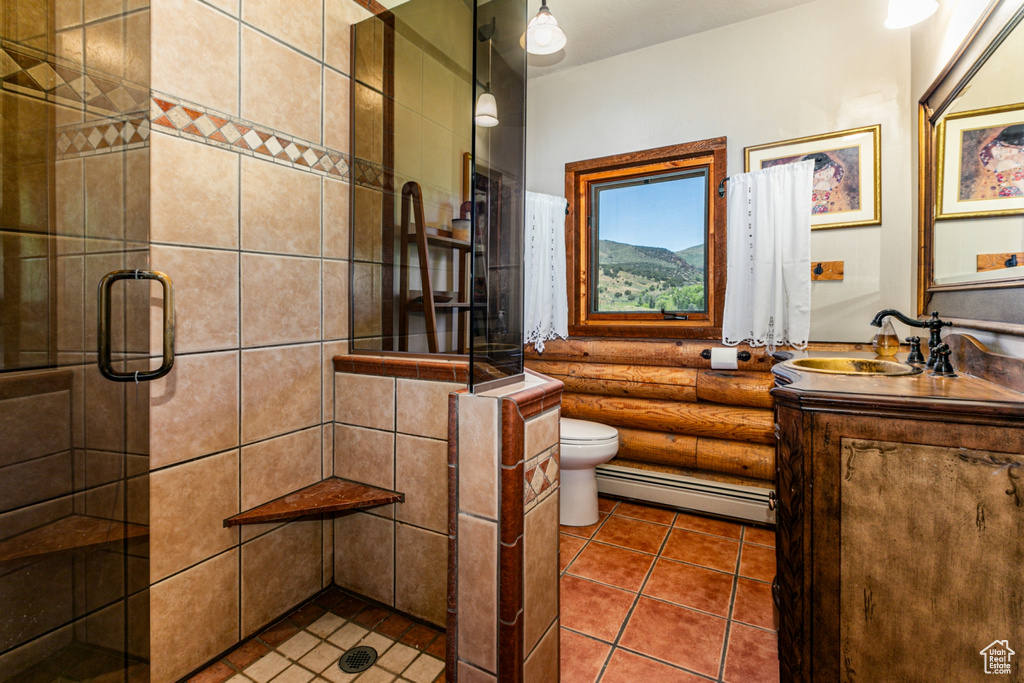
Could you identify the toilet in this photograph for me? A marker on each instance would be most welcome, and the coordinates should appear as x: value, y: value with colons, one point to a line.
x: 584, y: 445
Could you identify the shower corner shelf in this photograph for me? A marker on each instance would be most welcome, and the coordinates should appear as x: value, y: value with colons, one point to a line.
x: 330, y: 495
x: 74, y: 532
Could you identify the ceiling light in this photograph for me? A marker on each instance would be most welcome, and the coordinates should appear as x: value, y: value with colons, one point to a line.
x: 486, y: 110
x: 904, y: 13
x: 543, y: 36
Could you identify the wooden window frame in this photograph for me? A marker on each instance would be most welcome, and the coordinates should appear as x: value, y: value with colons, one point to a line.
x: 579, y: 176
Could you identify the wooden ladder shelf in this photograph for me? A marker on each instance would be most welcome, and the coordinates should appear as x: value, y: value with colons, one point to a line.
x: 429, y: 301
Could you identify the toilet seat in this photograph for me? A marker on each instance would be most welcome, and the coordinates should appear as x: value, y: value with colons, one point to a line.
x: 582, y: 432
x: 584, y: 446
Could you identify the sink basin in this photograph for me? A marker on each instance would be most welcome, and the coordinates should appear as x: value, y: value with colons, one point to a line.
x: 854, y: 366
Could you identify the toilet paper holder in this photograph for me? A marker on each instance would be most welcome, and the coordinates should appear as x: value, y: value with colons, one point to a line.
x: 742, y: 355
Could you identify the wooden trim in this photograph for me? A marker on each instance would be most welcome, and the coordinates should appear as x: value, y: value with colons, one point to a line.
x: 578, y: 175
x: 412, y: 367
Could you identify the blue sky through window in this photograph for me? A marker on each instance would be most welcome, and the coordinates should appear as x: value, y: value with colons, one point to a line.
x: 667, y: 214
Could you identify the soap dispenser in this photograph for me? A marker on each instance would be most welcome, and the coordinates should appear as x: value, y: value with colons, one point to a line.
x: 886, y: 343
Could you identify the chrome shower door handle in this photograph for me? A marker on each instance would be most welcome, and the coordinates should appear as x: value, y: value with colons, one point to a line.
x: 103, y: 323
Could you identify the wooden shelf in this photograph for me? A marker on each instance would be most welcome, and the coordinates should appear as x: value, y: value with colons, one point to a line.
x: 329, y: 495
x: 442, y: 240
x: 76, y: 532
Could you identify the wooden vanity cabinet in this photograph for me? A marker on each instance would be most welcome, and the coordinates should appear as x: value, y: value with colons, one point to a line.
x: 900, y: 539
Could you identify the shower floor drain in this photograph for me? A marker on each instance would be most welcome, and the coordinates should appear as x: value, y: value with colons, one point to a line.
x: 357, y: 659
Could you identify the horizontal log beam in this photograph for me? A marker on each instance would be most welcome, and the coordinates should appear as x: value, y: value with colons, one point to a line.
x: 670, y: 384
x: 735, y: 387
x: 751, y: 425
x: 698, y: 453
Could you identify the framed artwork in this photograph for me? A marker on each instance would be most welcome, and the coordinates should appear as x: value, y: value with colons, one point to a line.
x: 847, y: 188
x: 981, y: 163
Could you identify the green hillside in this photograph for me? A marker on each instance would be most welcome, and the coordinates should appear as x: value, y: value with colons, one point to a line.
x: 639, y: 278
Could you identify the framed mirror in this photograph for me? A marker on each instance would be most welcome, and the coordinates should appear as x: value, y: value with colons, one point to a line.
x: 972, y: 179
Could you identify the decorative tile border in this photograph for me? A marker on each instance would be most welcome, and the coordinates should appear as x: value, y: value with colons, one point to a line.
x: 43, y: 76
x: 99, y: 137
x: 185, y: 119
x: 369, y: 174
x: 540, y: 478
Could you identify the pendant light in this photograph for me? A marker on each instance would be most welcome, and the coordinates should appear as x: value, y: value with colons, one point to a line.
x: 904, y: 13
x: 543, y: 35
x: 486, y: 112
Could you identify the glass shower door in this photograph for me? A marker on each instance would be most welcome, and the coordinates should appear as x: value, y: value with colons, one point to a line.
x: 74, y: 205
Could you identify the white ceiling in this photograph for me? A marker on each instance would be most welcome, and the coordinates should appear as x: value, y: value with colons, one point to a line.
x: 598, y: 29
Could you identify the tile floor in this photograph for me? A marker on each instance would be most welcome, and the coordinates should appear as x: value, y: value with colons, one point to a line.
x: 305, y: 646
x: 649, y: 594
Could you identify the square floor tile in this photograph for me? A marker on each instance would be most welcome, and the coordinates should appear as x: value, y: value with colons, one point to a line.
x: 424, y: 670
x: 626, y: 667
x: 298, y: 645
x: 753, y: 604
x: 707, y: 551
x: 397, y: 658
x: 606, y: 504
x: 757, y: 562
x: 592, y: 608
x: 615, y: 566
x: 295, y: 674
x: 581, y: 658
x: 708, y: 525
x: 377, y: 642
x: 633, y: 534
x: 267, y: 667
x: 677, y: 635
x: 420, y: 636
x: 584, y: 531
x: 348, y: 635
x: 278, y: 633
x: 218, y: 672
x: 645, y: 512
x: 690, y: 586
x: 753, y: 655
x: 568, y: 546
x: 320, y: 657
x: 247, y: 653
x: 753, y: 534
x: 393, y: 626
x: 326, y: 625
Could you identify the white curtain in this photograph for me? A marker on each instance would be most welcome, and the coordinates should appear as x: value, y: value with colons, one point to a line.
x: 768, y: 295
x: 546, y: 307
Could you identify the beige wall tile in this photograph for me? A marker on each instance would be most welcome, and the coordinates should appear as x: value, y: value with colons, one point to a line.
x: 437, y: 148
x: 408, y: 74
x: 298, y: 22
x: 421, y: 407
x: 330, y: 350
x: 194, y: 409
x: 279, y: 570
x: 195, y: 54
x: 540, y: 570
x: 369, y: 53
x: 188, y: 505
x: 32, y: 481
x: 478, y: 592
x: 335, y: 314
x: 366, y: 289
x: 229, y: 6
x: 368, y: 120
x: 337, y: 115
x: 34, y: 425
x: 277, y: 467
x: 421, y: 573
x: 438, y: 93
x: 136, y: 199
x: 205, y: 298
x: 470, y: 674
x: 327, y: 552
x: 339, y: 15
x: 542, y: 664
x: 421, y: 473
x: 137, y: 47
x: 336, y: 219
x: 280, y: 299
x: 541, y: 433
x: 364, y: 559
x: 368, y: 208
x: 365, y: 455
x: 280, y: 209
x: 98, y: 9
x: 280, y: 87
x: 104, y: 412
x: 68, y: 201
x: 364, y: 400
x: 327, y: 449
x: 408, y: 143
x: 104, y: 47
x: 478, y: 455
x: 194, y: 193
x: 194, y: 617
x: 104, y: 196
x: 280, y: 390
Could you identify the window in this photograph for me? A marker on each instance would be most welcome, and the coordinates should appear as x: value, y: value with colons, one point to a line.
x: 646, y: 242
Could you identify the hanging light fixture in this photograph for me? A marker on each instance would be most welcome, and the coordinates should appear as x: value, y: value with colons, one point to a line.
x: 904, y: 13
x: 543, y: 35
x: 486, y: 109
x: 486, y: 112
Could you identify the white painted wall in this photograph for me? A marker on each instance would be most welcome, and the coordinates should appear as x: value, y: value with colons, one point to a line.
x: 825, y: 66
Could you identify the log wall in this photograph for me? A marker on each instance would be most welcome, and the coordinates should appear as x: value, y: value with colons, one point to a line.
x: 673, y: 412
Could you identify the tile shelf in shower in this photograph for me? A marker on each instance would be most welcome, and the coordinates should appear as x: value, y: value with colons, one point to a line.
x: 75, y: 532
x: 330, y: 495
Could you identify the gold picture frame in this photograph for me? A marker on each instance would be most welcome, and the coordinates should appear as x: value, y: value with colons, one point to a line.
x: 848, y: 173
x: 981, y: 183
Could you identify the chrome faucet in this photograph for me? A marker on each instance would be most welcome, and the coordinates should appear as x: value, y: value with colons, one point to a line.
x: 934, y: 326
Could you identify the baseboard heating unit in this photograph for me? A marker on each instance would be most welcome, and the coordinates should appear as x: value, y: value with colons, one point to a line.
x: 699, y: 495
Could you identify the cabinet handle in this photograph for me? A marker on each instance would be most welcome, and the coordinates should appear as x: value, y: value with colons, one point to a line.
x: 103, y: 323
x: 773, y: 500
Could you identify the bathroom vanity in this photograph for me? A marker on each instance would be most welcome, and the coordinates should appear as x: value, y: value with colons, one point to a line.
x: 899, y: 511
